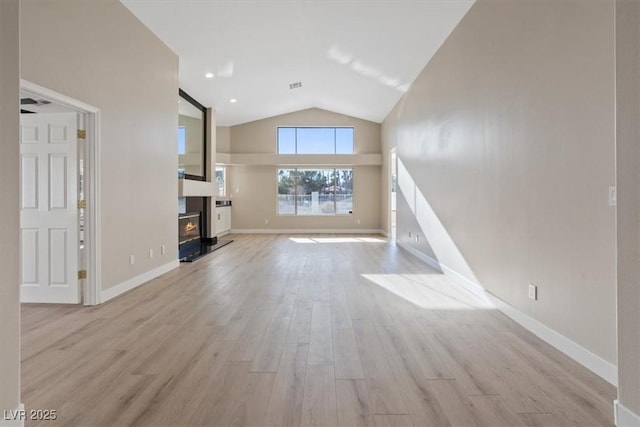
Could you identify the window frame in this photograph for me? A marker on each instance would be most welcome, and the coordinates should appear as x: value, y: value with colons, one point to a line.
x: 303, y: 167
x: 335, y: 140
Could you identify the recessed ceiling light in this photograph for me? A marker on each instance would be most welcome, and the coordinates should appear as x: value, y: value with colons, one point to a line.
x: 233, y: 100
x: 209, y: 75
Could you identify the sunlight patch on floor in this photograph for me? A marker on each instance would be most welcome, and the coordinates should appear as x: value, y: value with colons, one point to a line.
x: 336, y: 240
x: 429, y: 291
x: 301, y: 240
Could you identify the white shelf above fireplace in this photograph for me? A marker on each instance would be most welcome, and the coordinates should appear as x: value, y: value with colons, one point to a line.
x: 191, y: 188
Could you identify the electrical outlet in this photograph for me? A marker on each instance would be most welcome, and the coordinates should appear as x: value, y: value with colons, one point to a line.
x: 150, y: 253
x: 266, y: 221
x: 417, y: 238
x: 533, y: 291
x: 358, y: 221
x: 163, y: 249
x: 132, y: 259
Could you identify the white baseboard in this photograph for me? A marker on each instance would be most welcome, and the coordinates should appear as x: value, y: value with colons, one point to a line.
x: 134, y: 282
x: 305, y: 231
x: 15, y: 418
x: 624, y: 416
x: 586, y: 358
x: 422, y: 257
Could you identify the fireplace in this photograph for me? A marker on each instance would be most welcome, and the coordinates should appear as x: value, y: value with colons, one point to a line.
x: 189, y: 226
x: 192, y: 242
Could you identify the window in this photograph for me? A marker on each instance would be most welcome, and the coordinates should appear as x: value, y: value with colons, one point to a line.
x: 310, y: 140
x: 326, y: 191
x: 221, y: 173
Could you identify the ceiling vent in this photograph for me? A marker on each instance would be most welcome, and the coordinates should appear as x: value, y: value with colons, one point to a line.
x: 295, y: 85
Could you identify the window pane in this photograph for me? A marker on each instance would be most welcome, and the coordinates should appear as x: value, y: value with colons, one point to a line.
x: 286, y: 140
x: 316, y: 140
x: 220, y: 178
x: 314, y: 192
x: 344, y: 140
x: 344, y: 191
x: 182, y: 140
x: 286, y: 192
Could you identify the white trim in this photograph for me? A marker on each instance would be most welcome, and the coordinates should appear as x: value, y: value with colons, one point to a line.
x: 422, y: 257
x: 586, y: 358
x: 134, y: 282
x: 64, y: 100
x: 333, y: 160
x: 625, y: 417
x: 304, y: 231
x: 223, y: 233
x: 93, y: 224
x: 14, y: 423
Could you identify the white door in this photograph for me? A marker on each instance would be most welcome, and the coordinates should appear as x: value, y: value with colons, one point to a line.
x: 49, y: 208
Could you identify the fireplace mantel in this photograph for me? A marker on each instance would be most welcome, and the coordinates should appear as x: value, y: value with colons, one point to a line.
x: 192, y: 188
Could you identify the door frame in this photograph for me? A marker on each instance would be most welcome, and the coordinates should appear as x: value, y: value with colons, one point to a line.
x: 91, y: 287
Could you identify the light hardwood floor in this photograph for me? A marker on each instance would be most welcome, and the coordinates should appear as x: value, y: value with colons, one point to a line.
x: 300, y: 330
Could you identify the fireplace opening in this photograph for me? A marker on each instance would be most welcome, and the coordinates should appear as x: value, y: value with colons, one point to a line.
x: 192, y: 243
x: 189, y: 226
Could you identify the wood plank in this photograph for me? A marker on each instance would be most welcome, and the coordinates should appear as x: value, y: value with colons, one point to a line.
x: 346, y: 355
x: 319, y: 403
x: 268, y: 355
x: 384, y: 393
x: 285, y: 404
x: 353, y: 403
x: 320, y: 338
x: 392, y: 421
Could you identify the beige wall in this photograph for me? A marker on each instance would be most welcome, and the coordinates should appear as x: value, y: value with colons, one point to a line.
x: 260, y: 136
x: 223, y: 137
x: 254, y: 188
x: 508, y: 135
x: 9, y: 216
x: 628, y: 184
x: 99, y: 53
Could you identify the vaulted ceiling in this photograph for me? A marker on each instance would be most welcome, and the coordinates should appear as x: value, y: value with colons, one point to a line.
x: 355, y: 57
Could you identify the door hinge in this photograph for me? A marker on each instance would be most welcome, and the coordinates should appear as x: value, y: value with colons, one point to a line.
x: 82, y: 134
x: 82, y: 274
x: 82, y: 204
